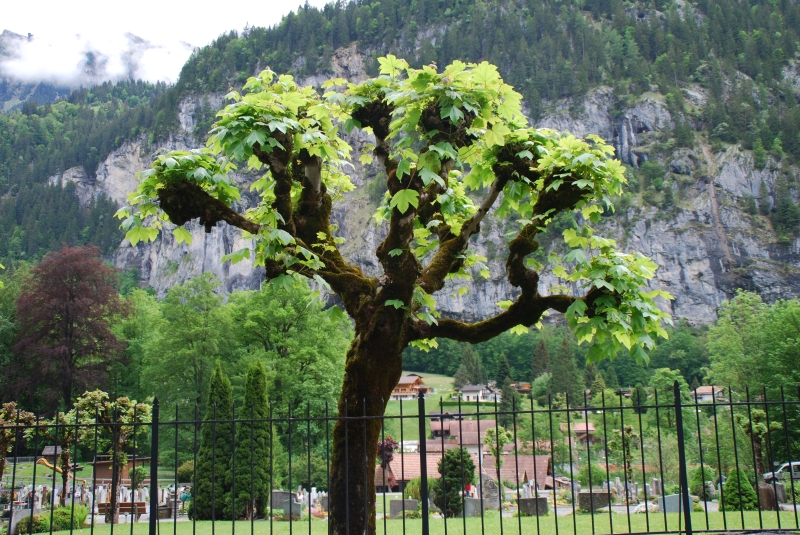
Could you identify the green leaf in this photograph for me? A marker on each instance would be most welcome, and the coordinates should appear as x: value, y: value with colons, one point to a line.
x: 395, y: 252
x: 403, y: 168
x: 403, y: 198
x: 396, y: 303
x: 519, y: 330
x: 145, y: 234
x: 182, y: 235
x: 237, y: 256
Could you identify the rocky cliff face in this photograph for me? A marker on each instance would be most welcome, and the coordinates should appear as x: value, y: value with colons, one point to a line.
x: 706, y: 245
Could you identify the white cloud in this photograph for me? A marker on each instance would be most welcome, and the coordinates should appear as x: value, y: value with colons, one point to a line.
x: 89, y: 41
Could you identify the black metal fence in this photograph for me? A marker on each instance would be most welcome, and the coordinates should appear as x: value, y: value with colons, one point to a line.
x: 645, y: 461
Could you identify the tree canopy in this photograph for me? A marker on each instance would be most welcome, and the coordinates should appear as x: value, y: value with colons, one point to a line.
x: 455, y: 148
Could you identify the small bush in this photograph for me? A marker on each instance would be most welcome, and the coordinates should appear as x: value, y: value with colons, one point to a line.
x: 698, y: 486
x: 597, y: 472
x: 138, y: 475
x: 40, y: 525
x: 413, y: 490
x: 738, y: 493
x: 186, y: 472
x: 64, y: 518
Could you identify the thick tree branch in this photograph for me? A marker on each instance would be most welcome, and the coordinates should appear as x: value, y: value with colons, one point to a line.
x: 525, y: 311
x: 184, y: 201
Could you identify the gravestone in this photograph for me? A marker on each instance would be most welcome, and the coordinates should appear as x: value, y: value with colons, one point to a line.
x: 323, y: 501
x: 671, y: 503
x: 397, y: 507
x: 533, y: 506
x: 648, y: 490
x: 766, y: 497
x: 780, y: 493
x: 656, y: 485
x: 592, y: 501
x: 281, y: 496
x: 472, y: 507
x: 490, y: 492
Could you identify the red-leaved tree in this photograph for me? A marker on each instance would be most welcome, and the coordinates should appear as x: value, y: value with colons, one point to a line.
x: 65, y: 311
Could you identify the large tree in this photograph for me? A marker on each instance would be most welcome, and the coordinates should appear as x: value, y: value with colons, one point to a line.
x: 65, y: 312
x: 12, y: 422
x: 454, y: 147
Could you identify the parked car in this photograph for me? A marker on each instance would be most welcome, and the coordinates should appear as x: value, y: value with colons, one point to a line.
x: 783, y: 472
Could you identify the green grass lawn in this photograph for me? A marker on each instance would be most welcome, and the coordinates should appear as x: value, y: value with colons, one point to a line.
x: 24, y: 471
x: 491, y: 525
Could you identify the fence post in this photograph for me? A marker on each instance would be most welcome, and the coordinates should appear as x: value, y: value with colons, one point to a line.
x: 688, y: 505
x: 154, y: 471
x: 423, y: 464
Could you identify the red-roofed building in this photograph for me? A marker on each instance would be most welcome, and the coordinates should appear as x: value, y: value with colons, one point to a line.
x: 409, y: 387
x: 522, y: 468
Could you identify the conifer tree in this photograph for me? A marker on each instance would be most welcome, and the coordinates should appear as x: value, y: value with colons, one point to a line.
x: 565, y: 375
x: 462, y: 376
x: 503, y: 369
x: 214, y: 456
x: 589, y: 374
x: 738, y: 493
x: 472, y: 364
x: 508, y: 401
x: 598, y: 384
x: 611, y: 379
x: 639, y: 398
x: 252, y: 446
x: 541, y: 359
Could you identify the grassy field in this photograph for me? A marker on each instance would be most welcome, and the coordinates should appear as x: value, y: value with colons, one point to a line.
x: 491, y: 525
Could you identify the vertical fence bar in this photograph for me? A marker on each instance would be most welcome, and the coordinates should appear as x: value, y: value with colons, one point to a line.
x: 153, y: 471
x: 735, y: 450
x: 516, y: 462
x: 53, y: 492
x: 589, y: 452
x: 702, y: 464
x: 194, y: 468
x: 308, y: 442
x: 789, y: 452
x: 272, y: 467
x: 497, y: 461
x: 571, y: 469
x: 94, y: 471
x: 444, y: 468
x: 214, y: 471
x: 384, y: 464
x: 233, y: 469
x: 480, y: 462
x: 328, y: 458
x: 687, y: 500
x: 175, y: 474
x: 74, y: 462
x: 535, y: 471
x: 423, y: 463
x: 115, y: 475
x: 291, y: 501
x: 751, y: 434
x: 33, y: 481
x: 461, y: 457
x: 402, y: 466
x: 638, y: 410
x: 346, y: 472
x: 252, y: 504
x: 366, y: 470
x: 605, y: 452
x: 769, y: 461
x: 625, y: 449
x: 719, y: 459
x: 553, y: 458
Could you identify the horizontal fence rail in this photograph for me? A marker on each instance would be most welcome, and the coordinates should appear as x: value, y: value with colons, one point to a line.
x: 645, y: 461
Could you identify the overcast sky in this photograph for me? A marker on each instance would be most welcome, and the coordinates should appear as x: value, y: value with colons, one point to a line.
x: 64, y: 31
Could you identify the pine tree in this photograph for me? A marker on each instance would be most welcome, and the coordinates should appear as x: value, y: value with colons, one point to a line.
x: 598, y: 385
x: 565, y: 374
x: 475, y: 372
x: 738, y: 493
x: 612, y: 381
x: 639, y: 399
x: 698, y: 485
x: 590, y: 373
x: 541, y: 359
x: 457, y: 470
x: 503, y: 369
x: 462, y: 377
x: 214, y: 455
x: 508, y: 402
x: 252, y: 446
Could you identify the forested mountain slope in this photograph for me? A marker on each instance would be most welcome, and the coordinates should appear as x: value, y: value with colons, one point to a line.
x: 699, y: 98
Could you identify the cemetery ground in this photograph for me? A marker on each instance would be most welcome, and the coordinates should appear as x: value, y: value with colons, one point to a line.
x: 583, y: 524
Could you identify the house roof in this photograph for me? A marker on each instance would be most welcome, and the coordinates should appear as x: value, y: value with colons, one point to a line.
x: 409, y: 379
x: 48, y: 451
x: 473, y: 388
x: 706, y: 390
x: 434, y: 445
x: 579, y: 427
x: 535, y: 467
x: 464, y: 428
x: 406, y: 466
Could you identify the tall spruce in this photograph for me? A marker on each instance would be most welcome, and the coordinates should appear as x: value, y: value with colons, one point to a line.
x: 252, y: 446
x: 215, y: 454
x: 565, y: 374
x: 473, y: 366
x: 503, y: 369
x: 590, y: 372
x: 508, y: 402
x: 541, y: 359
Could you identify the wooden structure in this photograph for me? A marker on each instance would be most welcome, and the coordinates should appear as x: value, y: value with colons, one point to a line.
x: 103, y: 468
x: 409, y: 387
